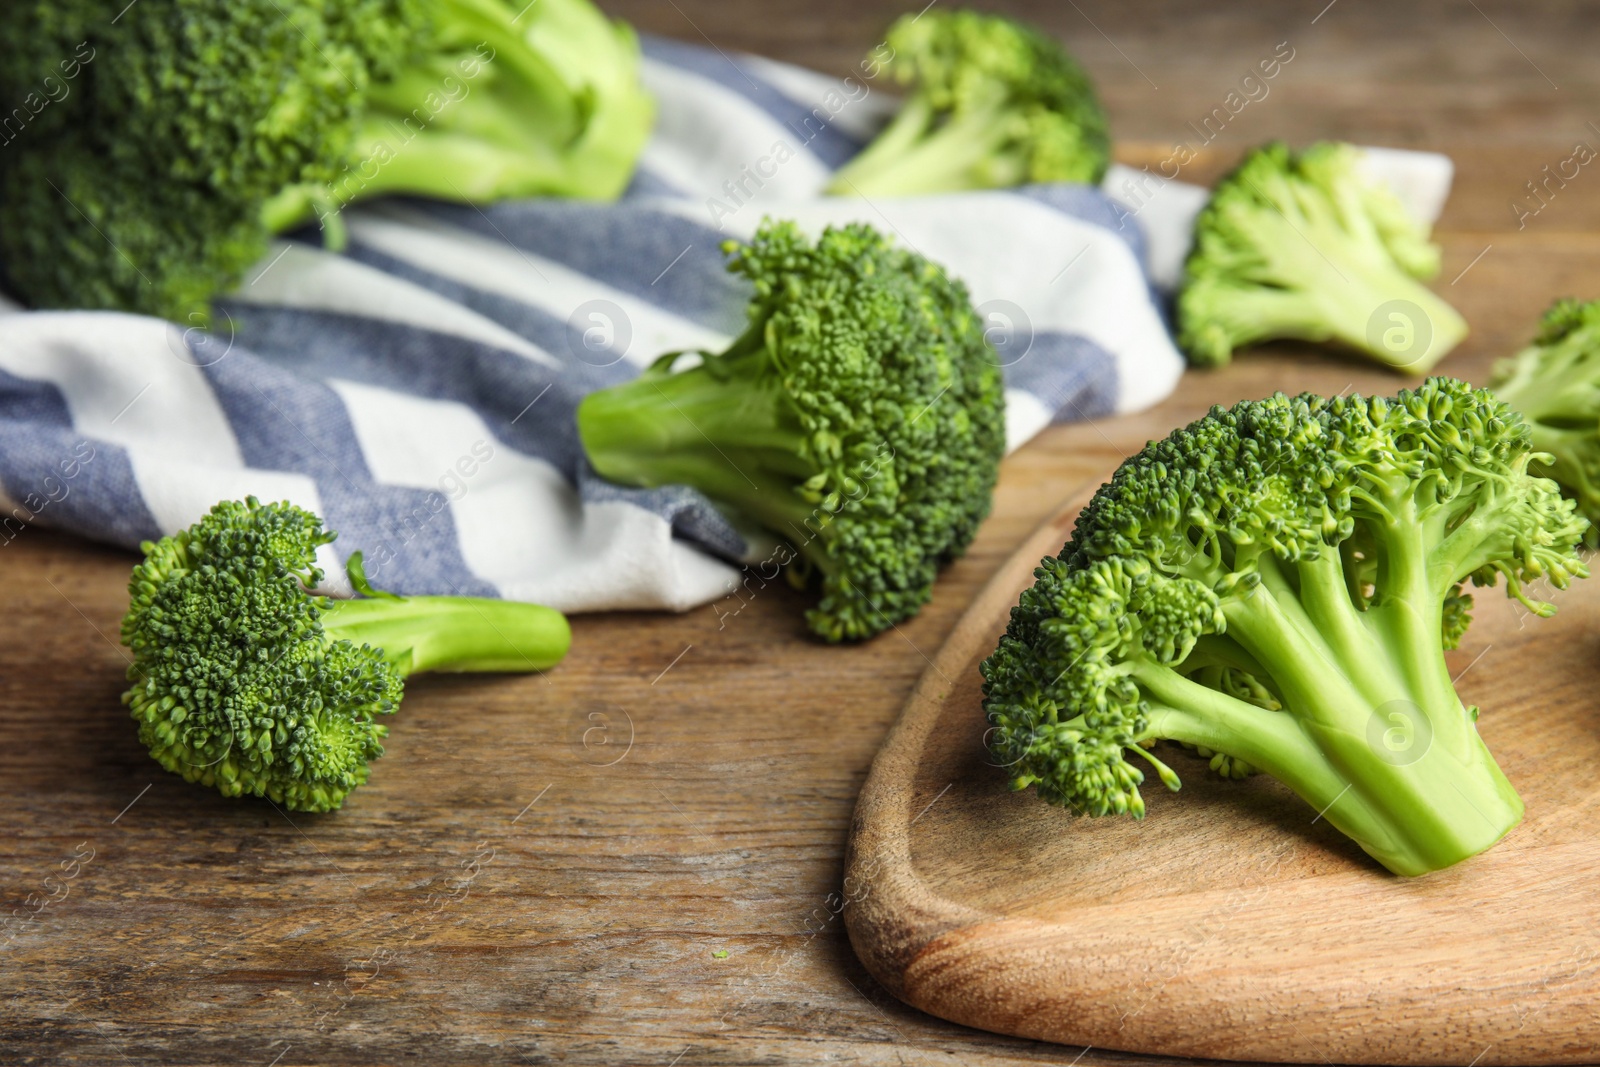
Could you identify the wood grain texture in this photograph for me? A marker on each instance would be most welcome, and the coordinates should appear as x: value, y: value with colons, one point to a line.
x: 1405, y: 74
x: 1233, y: 922
x: 206, y: 930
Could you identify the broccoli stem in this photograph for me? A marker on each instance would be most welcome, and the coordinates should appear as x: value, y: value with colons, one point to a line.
x: 463, y: 25
x: 916, y: 158
x: 452, y: 633
x: 513, y: 128
x: 909, y: 124
x: 1559, y: 393
x: 479, y: 157
x: 1338, y: 303
x: 721, y: 427
x: 1373, y: 735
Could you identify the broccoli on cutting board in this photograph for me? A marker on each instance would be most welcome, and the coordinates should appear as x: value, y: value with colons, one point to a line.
x: 1307, y: 246
x: 244, y: 681
x: 992, y: 103
x: 860, y: 417
x: 1274, y: 586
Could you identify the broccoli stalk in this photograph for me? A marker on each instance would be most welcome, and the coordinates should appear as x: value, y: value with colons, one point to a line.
x: 1275, y: 585
x: 451, y: 633
x: 683, y: 428
x: 243, y: 681
x: 994, y: 103
x: 860, y: 417
x: 1555, y: 384
x: 1306, y: 247
x: 494, y: 106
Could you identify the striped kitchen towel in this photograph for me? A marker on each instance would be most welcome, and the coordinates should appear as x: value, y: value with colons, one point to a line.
x: 418, y: 389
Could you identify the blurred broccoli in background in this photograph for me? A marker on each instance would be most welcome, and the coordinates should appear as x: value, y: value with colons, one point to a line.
x: 1307, y: 246
x: 195, y: 129
x: 992, y: 103
x: 1555, y: 384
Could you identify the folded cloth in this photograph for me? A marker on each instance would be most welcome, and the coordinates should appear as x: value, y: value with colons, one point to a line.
x: 418, y: 389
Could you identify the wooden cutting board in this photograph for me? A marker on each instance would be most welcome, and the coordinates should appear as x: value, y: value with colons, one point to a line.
x: 1231, y: 922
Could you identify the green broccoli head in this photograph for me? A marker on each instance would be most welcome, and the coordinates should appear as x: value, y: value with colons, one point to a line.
x: 1555, y: 384
x: 198, y: 128
x: 993, y: 103
x: 244, y: 681
x: 142, y: 188
x: 1274, y: 585
x: 1307, y: 247
x: 860, y: 417
x: 236, y: 682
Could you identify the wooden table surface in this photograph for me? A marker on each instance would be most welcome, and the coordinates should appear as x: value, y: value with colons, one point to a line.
x: 508, y: 888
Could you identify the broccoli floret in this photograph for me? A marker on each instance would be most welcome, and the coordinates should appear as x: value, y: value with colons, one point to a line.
x: 494, y: 100
x: 1307, y: 247
x: 200, y: 127
x: 1555, y: 384
x: 244, y: 681
x: 860, y: 417
x: 993, y: 103
x: 141, y: 188
x: 1275, y: 584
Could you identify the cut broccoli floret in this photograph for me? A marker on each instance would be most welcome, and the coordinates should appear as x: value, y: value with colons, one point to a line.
x: 993, y: 103
x: 200, y: 127
x: 1308, y: 247
x: 1555, y: 384
x: 244, y: 681
x: 860, y: 417
x: 1275, y: 584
